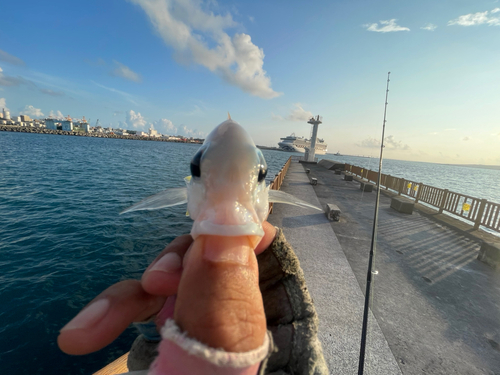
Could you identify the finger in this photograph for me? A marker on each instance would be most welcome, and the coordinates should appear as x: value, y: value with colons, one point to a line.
x: 107, y: 316
x: 219, y: 301
x: 163, y: 275
x: 267, y: 239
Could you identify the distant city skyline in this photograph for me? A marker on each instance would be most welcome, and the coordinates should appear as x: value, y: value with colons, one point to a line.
x: 180, y: 65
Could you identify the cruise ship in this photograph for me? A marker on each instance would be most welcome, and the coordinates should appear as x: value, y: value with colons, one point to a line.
x: 298, y: 144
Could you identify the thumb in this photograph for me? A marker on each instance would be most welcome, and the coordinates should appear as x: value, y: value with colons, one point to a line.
x: 219, y: 301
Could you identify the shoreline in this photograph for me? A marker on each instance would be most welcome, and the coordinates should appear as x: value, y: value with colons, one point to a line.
x: 24, y: 129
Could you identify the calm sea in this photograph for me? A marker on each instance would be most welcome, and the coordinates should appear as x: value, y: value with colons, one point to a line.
x: 62, y: 241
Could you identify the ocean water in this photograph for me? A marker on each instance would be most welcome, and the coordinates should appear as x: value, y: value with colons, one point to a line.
x: 62, y: 241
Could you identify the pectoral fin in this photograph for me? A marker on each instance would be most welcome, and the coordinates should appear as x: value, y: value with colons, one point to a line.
x: 278, y: 196
x: 166, y: 198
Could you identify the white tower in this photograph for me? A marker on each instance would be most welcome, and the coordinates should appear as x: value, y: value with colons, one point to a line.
x: 314, y: 122
x: 6, y: 114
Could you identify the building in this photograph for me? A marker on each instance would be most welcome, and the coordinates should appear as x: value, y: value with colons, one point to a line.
x: 25, y: 118
x: 82, y: 126
x: 50, y: 123
x: 6, y: 114
x: 153, y: 133
x: 67, y: 124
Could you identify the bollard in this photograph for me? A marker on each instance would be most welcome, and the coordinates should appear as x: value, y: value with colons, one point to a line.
x: 332, y: 212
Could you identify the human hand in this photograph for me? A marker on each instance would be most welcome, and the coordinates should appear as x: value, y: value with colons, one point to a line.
x: 218, y: 299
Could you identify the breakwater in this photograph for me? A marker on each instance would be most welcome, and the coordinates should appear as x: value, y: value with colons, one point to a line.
x: 480, y: 212
x: 26, y: 129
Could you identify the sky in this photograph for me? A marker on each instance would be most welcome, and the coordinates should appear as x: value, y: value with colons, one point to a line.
x: 180, y: 66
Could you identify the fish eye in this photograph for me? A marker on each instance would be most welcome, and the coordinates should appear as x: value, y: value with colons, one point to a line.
x: 262, y: 168
x: 196, y: 164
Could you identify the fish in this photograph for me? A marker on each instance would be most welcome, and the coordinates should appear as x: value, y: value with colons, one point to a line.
x: 226, y: 193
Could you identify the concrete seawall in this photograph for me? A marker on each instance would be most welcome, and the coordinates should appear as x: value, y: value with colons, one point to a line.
x: 436, y: 308
x: 25, y: 129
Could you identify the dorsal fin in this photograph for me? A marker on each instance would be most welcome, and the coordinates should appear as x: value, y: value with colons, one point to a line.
x: 229, y: 116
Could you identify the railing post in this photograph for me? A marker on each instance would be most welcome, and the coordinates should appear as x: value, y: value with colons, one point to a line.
x: 443, y: 200
x: 417, y: 198
x: 401, y: 185
x: 480, y: 213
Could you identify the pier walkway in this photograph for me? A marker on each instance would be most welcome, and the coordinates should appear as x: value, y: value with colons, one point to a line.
x: 436, y: 307
x: 331, y: 282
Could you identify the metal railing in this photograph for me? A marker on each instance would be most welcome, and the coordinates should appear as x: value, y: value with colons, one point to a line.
x: 478, y: 211
x: 278, y: 180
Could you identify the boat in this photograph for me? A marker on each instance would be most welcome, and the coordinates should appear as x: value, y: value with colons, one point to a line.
x: 338, y: 154
x: 293, y: 143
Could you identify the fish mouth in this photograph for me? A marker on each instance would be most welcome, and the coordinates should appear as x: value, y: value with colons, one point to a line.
x: 253, y: 231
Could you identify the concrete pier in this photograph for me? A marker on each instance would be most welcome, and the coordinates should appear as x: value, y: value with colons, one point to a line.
x: 333, y: 286
x: 436, y: 308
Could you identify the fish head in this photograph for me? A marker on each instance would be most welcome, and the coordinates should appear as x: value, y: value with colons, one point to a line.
x: 227, y: 194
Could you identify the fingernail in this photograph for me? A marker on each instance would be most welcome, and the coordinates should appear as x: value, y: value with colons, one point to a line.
x: 221, y: 249
x: 89, y: 316
x: 169, y: 263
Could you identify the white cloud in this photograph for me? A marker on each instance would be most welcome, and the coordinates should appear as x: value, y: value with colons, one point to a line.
x: 429, y: 27
x: 56, y: 114
x: 390, y: 142
x: 276, y: 117
x: 370, y: 142
x: 135, y: 120
x: 386, y: 26
x: 165, y: 126
x: 3, y: 104
x: 187, y: 132
x: 52, y: 92
x: 32, y: 111
x: 126, y: 95
x: 299, y: 114
x: 189, y: 30
x: 13, y: 81
x: 125, y: 72
x: 4, y: 56
x: 479, y: 18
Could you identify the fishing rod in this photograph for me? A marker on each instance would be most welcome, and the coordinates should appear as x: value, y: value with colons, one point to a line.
x: 369, y: 274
